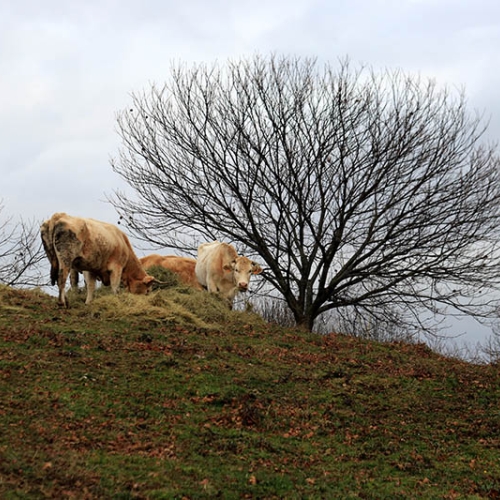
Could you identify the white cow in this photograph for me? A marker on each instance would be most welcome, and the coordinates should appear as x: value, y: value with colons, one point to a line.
x: 222, y: 271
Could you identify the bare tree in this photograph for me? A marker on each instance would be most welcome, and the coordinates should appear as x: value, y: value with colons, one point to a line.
x: 21, y: 253
x: 355, y: 188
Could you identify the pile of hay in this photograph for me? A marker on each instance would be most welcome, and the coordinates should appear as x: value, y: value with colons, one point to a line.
x: 174, y: 304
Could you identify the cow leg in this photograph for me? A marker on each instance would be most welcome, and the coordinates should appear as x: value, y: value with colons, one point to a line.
x: 115, y: 276
x: 213, y: 288
x: 212, y: 285
x: 61, y: 283
x: 90, y: 280
x: 228, y: 298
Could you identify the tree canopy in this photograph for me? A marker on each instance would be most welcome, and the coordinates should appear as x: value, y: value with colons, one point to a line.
x: 353, y: 188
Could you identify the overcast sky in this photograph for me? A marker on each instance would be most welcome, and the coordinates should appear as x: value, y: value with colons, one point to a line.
x: 67, y: 68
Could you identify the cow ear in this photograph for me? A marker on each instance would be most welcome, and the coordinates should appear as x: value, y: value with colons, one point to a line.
x: 256, y: 269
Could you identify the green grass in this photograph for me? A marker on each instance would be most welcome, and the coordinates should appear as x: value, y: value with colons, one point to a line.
x: 174, y: 396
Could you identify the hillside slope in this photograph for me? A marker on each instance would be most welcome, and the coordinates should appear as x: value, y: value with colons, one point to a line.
x: 172, y: 396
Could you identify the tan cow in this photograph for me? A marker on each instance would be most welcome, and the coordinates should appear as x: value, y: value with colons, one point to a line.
x: 98, y: 249
x: 222, y: 271
x: 183, y: 267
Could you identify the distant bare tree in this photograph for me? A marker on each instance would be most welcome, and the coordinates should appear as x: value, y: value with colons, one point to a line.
x: 274, y: 310
x: 390, y: 324
x: 354, y: 189
x: 21, y: 253
x: 491, y: 348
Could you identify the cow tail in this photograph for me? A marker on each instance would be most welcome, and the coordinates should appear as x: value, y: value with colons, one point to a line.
x: 47, y: 234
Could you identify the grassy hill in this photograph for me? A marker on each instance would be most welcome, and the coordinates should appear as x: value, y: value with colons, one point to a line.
x: 173, y: 396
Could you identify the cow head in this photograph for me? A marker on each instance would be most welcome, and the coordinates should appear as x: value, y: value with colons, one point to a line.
x: 243, y: 268
x: 141, y: 287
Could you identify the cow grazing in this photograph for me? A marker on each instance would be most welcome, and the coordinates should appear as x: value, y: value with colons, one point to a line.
x: 222, y: 271
x: 98, y: 249
x: 183, y: 267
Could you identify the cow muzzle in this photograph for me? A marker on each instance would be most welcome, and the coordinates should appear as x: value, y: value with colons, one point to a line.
x: 243, y: 287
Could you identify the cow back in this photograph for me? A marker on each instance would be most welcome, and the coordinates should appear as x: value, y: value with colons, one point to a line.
x: 151, y: 260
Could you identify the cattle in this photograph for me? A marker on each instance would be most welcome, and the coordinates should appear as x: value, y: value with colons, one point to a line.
x: 222, y: 271
x: 183, y: 267
x: 98, y: 249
